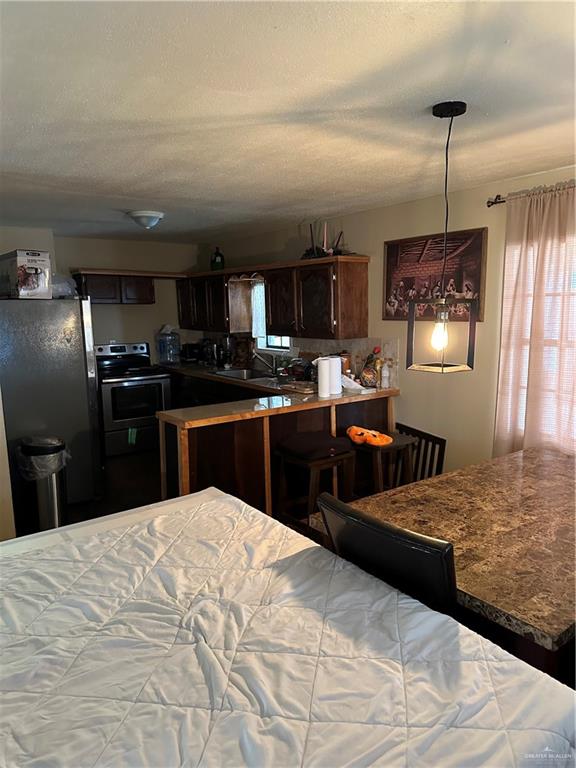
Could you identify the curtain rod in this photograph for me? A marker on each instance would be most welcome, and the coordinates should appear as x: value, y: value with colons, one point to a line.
x: 495, y: 201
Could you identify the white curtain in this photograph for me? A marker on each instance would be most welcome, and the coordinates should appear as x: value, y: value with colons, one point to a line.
x: 536, y: 385
x: 258, y: 309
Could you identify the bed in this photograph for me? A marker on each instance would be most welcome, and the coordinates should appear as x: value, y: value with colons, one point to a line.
x: 200, y: 632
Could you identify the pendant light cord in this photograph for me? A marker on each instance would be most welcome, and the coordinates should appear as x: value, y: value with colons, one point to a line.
x: 446, y: 205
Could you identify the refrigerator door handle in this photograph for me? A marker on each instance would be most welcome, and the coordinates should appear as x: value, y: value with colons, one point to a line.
x: 93, y: 404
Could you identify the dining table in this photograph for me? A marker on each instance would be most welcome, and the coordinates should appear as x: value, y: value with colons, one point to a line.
x: 511, y: 523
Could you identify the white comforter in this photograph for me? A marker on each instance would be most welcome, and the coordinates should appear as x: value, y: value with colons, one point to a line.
x: 212, y: 635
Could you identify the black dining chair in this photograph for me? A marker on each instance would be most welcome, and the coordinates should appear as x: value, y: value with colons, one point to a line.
x: 427, y: 453
x: 420, y: 566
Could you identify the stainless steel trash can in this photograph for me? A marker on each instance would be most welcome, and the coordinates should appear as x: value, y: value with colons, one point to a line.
x: 42, y: 461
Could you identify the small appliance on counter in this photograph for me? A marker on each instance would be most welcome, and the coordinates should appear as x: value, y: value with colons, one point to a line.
x: 191, y: 353
x: 300, y: 369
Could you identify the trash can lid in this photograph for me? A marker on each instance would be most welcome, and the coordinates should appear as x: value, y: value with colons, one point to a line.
x: 41, y: 446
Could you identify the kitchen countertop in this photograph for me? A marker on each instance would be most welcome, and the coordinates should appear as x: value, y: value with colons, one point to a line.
x: 511, y: 521
x: 204, y: 415
x: 263, y: 384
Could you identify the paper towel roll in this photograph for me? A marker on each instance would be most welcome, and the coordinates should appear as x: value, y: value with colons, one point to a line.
x: 324, y: 377
x: 335, y: 375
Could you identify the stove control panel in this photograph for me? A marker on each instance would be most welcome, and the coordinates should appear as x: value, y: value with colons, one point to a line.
x: 117, y: 348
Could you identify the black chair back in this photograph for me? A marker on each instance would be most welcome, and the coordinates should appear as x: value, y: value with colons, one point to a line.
x: 420, y: 566
x: 428, y: 453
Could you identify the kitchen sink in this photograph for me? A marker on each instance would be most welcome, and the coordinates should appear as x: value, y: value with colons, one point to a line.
x: 244, y: 374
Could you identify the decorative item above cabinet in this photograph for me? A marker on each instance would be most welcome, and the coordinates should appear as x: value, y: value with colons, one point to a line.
x: 323, y: 298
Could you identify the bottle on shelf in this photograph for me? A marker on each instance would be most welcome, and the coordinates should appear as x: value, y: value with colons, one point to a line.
x: 217, y: 260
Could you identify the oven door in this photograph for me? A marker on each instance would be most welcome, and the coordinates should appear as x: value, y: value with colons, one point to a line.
x: 133, y: 402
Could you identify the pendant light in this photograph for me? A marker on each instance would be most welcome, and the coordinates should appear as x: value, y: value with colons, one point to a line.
x: 440, y: 339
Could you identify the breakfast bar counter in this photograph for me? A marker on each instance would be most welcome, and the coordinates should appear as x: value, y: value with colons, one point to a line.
x: 231, y: 445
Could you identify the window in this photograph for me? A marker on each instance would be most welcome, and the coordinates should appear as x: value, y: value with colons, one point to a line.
x: 264, y: 340
x: 277, y: 342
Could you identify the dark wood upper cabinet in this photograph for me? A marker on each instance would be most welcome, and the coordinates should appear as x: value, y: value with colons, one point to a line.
x: 137, y: 290
x: 102, y: 289
x: 116, y: 289
x: 351, y: 300
x: 203, y: 304
x: 199, y: 307
x: 185, y: 315
x: 217, y: 303
x: 323, y: 299
x: 280, y: 286
x: 316, y: 306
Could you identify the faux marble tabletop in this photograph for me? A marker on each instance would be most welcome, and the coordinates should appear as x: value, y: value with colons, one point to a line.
x: 511, y: 521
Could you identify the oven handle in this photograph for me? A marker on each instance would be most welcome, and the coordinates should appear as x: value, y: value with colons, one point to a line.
x: 125, y: 380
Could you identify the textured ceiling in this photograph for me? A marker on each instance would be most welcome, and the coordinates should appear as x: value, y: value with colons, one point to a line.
x: 246, y: 116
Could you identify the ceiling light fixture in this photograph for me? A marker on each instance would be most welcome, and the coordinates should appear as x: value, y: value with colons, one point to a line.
x: 441, y: 305
x: 146, y: 219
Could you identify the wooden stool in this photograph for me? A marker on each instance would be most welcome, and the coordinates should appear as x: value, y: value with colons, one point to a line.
x: 315, y: 452
x: 400, y: 449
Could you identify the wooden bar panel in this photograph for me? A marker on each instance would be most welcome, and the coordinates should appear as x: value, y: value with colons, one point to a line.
x: 163, y: 479
x: 238, y: 455
x: 171, y: 448
x: 267, y: 464
x: 231, y: 458
x: 183, y: 463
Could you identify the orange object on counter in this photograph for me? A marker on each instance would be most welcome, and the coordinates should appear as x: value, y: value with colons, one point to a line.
x: 360, y: 435
x: 356, y: 434
x: 378, y: 439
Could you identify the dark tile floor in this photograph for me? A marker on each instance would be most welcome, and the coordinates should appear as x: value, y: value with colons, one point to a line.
x: 130, y: 481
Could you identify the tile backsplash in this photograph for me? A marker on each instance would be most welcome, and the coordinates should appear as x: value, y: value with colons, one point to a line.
x: 362, y: 347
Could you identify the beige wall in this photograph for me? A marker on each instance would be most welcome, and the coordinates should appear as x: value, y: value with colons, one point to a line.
x: 28, y: 238
x: 459, y: 406
x: 125, y: 322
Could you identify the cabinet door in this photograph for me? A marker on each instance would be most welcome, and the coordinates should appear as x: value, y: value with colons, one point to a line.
x: 280, y: 285
x: 137, y: 290
x: 316, y: 317
x: 198, y: 306
x: 217, y: 303
x: 102, y: 289
x: 185, y: 315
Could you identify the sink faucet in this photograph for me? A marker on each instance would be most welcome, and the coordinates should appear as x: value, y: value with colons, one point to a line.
x: 271, y: 364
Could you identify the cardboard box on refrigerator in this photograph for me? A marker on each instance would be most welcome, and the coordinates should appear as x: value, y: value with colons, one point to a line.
x: 25, y: 275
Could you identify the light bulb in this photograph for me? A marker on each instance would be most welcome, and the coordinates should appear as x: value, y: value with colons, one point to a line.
x: 439, y: 340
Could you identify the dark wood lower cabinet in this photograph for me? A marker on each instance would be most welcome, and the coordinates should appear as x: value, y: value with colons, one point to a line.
x: 187, y: 391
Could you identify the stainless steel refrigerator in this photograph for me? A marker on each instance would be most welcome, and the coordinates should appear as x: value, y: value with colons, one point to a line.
x: 49, y: 387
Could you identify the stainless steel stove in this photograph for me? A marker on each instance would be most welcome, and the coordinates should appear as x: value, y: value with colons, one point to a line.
x: 132, y: 390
